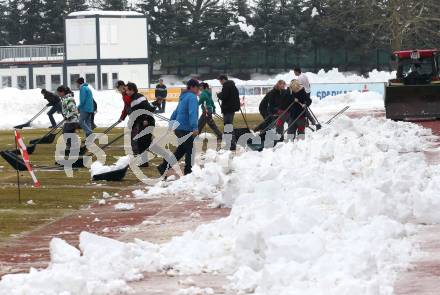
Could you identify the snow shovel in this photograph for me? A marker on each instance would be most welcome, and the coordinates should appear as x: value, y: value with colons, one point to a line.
x: 267, y: 122
x: 28, y: 123
x: 161, y: 117
x: 49, y: 137
x: 260, y: 147
x: 33, y: 143
x: 311, y: 116
x: 257, y: 147
x: 115, y: 175
x: 83, y: 148
x: 14, y: 160
x: 337, y: 114
x: 80, y: 162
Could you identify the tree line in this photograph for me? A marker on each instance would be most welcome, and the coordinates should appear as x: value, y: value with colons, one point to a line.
x: 242, y: 32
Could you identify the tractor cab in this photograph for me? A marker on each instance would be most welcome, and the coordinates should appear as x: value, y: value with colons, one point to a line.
x: 415, y: 92
x: 418, y: 67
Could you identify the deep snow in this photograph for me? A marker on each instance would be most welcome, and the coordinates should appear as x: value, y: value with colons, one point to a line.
x: 333, y: 214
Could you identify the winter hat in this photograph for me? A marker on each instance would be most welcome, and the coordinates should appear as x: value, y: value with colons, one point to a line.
x: 192, y: 83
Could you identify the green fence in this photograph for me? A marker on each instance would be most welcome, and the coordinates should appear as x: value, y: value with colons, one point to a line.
x: 273, y: 60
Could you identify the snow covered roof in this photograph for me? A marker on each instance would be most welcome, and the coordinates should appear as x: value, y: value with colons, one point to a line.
x: 101, y: 12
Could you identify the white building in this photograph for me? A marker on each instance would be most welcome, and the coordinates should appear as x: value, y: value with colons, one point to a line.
x: 101, y: 46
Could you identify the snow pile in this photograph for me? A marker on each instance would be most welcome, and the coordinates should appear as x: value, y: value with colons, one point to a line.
x: 99, y: 168
x: 21, y: 105
x: 124, y: 207
x: 360, y: 101
x: 327, y: 215
x: 206, y: 182
x: 331, y: 76
x: 356, y: 100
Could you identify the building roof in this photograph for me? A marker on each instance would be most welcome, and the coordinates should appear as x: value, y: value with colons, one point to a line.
x: 101, y: 12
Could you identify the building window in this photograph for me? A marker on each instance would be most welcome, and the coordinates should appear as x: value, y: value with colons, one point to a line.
x: 21, y: 82
x: 90, y: 79
x: 73, y: 79
x: 40, y: 81
x: 6, y: 81
x: 115, y: 78
x: 105, y: 81
x: 55, y: 81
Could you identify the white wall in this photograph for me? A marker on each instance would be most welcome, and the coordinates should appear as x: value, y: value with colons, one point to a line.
x: 82, y: 71
x: 14, y: 73
x: 81, y: 38
x: 134, y: 73
x: 47, y: 72
x: 123, y: 37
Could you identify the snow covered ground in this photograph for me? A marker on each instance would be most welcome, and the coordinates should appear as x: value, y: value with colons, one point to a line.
x: 18, y: 106
x: 333, y: 214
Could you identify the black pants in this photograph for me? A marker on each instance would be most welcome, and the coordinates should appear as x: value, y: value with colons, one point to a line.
x: 54, y: 109
x: 184, y: 149
x: 268, y: 120
x: 161, y: 105
x: 69, y: 128
x: 206, y: 118
x: 92, y: 119
x: 228, y: 119
x: 141, y: 144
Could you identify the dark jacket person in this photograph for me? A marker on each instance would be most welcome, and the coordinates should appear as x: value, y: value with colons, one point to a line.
x: 139, y: 102
x: 161, y: 93
x: 229, y: 99
x: 54, y: 102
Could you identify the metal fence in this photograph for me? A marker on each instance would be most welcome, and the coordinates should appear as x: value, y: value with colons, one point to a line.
x: 44, y: 52
x: 256, y: 60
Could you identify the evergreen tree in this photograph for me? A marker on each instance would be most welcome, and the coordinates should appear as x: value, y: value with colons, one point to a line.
x: 53, y: 25
x: 115, y: 5
x: 266, y: 24
x: 32, y: 27
x: 13, y: 21
x: 3, y: 18
x: 76, y: 5
x: 241, y: 42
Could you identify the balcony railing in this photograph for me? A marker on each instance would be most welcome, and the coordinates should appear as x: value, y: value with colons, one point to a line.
x: 25, y: 53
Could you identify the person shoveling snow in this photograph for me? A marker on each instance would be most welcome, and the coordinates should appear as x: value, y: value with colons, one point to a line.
x: 97, y: 168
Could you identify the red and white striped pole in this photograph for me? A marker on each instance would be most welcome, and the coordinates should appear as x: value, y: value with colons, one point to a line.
x: 25, y: 155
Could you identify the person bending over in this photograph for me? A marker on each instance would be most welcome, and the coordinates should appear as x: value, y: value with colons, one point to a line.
x: 269, y: 105
x: 54, y: 102
x: 297, y: 118
x: 141, y: 122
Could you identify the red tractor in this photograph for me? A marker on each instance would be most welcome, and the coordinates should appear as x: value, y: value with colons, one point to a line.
x: 415, y: 93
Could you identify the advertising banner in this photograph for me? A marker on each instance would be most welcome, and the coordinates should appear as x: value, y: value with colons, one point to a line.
x: 322, y: 90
